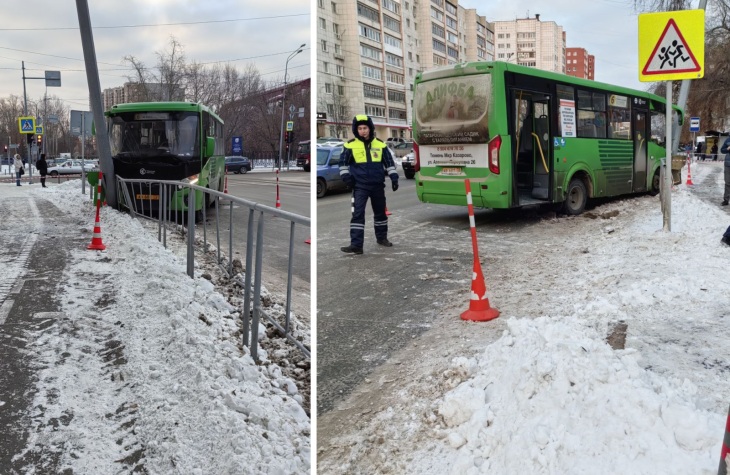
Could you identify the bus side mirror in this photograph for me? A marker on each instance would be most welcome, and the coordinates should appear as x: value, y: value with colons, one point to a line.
x: 209, y: 147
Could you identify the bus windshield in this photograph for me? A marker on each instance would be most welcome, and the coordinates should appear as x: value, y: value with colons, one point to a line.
x: 453, y: 110
x: 146, y: 135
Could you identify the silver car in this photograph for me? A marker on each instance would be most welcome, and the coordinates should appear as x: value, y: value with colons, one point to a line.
x: 72, y: 167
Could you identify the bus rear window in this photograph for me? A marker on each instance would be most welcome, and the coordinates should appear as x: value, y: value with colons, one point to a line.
x: 453, y: 110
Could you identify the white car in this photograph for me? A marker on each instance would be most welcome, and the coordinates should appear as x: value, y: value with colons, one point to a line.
x: 72, y: 167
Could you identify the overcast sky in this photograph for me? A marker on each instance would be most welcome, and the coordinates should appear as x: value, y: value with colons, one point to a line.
x: 607, y: 29
x: 242, y: 32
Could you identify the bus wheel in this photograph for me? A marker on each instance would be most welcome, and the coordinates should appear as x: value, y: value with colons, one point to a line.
x: 577, y: 198
x: 654, y: 189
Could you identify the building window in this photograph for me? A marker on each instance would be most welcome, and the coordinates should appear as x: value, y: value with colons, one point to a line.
x: 396, y: 96
x: 451, y: 23
x: 336, y: 28
x: 437, y: 14
x: 438, y: 30
x: 395, y: 78
x: 371, y: 72
x: 394, y: 60
x: 393, y: 41
x: 454, y: 53
x: 391, y: 23
x: 369, y: 33
x: 373, y: 92
x: 320, y: 3
x: 439, y: 46
x: 327, y: 88
x: 334, y: 7
x: 340, y: 70
x: 322, y: 23
x: 374, y: 111
x: 453, y: 38
x: 325, y: 66
x: 341, y: 90
x: 367, y: 12
x: 324, y: 46
x: 397, y: 114
x: 438, y: 2
x: 370, y: 52
x: 392, y: 6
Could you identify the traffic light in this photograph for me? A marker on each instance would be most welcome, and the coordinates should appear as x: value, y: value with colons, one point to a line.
x: 286, y: 137
x: 40, y: 140
x: 291, y: 137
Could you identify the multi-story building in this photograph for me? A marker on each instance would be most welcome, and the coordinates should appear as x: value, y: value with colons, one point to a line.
x: 579, y: 63
x: 137, y: 92
x: 531, y: 42
x: 369, y: 53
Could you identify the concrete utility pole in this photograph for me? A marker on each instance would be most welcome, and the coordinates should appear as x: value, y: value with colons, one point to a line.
x: 92, y: 77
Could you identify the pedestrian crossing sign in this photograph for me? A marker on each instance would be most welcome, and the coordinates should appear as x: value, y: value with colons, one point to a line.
x: 26, y: 125
x: 671, y: 45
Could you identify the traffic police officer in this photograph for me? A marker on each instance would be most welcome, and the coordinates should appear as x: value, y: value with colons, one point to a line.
x: 363, y: 166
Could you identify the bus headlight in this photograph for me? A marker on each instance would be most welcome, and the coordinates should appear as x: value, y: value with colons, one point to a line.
x: 192, y: 180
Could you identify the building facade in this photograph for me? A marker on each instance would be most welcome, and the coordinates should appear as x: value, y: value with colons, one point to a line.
x: 369, y: 52
x: 136, y: 92
x: 531, y: 42
x: 579, y: 63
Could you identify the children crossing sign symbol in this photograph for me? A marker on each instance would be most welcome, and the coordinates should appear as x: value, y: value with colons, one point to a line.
x: 671, y: 45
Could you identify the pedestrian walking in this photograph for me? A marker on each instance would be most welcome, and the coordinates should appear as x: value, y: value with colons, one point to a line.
x: 42, y: 167
x: 698, y: 151
x: 726, y: 151
x: 19, y: 170
x: 363, y: 165
x: 713, y: 151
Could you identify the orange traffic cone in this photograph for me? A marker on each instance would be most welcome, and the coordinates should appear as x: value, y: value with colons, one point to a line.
x: 689, y: 173
x: 725, y: 452
x: 479, y: 309
x: 308, y: 241
x: 96, y: 243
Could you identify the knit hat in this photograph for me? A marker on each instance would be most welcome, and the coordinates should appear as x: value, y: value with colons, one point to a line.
x: 362, y: 119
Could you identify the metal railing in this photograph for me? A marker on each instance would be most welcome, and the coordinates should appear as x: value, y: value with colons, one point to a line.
x: 166, y: 201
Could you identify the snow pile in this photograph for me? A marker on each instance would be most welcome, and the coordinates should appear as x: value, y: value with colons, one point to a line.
x: 152, y: 376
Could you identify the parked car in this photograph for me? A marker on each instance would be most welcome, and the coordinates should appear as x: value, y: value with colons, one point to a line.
x: 303, y: 155
x: 401, y: 149
x: 409, y: 165
x: 238, y: 164
x: 72, y: 167
x: 328, y: 170
x: 394, y: 140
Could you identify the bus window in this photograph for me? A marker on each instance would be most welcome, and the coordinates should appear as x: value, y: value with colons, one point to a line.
x: 619, y: 125
x: 591, y: 114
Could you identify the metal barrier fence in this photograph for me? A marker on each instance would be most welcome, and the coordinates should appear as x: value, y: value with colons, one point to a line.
x: 147, y: 198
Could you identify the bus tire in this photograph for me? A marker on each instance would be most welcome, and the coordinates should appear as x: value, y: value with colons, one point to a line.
x: 655, y: 184
x: 576, y: 198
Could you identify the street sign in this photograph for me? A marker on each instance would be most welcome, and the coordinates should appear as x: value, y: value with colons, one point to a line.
x: 289, y: 125
x: 672, y: 45
x: 53, y: 78
x: 26, y: 125
x: 76, y: 120
x: 237, y: 145
x: 694, y: 124
x: 39, y: 130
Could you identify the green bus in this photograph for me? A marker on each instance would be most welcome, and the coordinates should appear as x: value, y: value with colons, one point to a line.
x: 524, y: 136
x: 180, y: 141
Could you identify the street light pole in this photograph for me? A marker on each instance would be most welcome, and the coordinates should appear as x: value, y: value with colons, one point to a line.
x: 283, y: 102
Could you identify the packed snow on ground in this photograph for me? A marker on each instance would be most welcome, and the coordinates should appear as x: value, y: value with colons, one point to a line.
x: 144, y: 369
x: 550, y: 395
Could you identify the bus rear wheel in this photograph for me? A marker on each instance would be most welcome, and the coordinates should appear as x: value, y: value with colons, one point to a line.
x: 655, y: 184
x: 576, y: 199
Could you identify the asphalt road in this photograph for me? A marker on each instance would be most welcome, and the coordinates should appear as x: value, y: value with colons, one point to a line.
x: 371, y: 305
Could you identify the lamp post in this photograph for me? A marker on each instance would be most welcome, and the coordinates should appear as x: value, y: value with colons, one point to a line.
x: 283, y: 102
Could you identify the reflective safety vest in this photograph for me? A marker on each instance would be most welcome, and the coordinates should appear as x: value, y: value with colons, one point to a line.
x: 359, y: 152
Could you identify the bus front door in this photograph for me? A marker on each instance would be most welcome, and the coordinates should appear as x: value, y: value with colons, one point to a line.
x: 640, y: 134
x: 533, y: 150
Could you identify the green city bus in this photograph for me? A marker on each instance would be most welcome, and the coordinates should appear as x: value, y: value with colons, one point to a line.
x: 524, y: 136
x: 179, y: 141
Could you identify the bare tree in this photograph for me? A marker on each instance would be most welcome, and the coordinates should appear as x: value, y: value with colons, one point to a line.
x: 339, y: 110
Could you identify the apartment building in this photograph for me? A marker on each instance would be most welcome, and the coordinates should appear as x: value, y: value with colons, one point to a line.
x: 136, y: 92
x: 531, y: 42
x: 369, y: 52
x: 579, y: 63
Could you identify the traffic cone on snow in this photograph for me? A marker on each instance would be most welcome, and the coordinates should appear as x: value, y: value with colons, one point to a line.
x: 278, y: 202
x: 689, y: 172
x: 725, y: 448
x: 96, y: 243
x: 479, y: 309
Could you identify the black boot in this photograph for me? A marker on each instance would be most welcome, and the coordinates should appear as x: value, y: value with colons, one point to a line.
x: 385, y: 242
x: 351, y: 249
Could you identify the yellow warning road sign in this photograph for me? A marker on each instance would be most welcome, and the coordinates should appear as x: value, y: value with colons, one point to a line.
x: 672, y: 45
